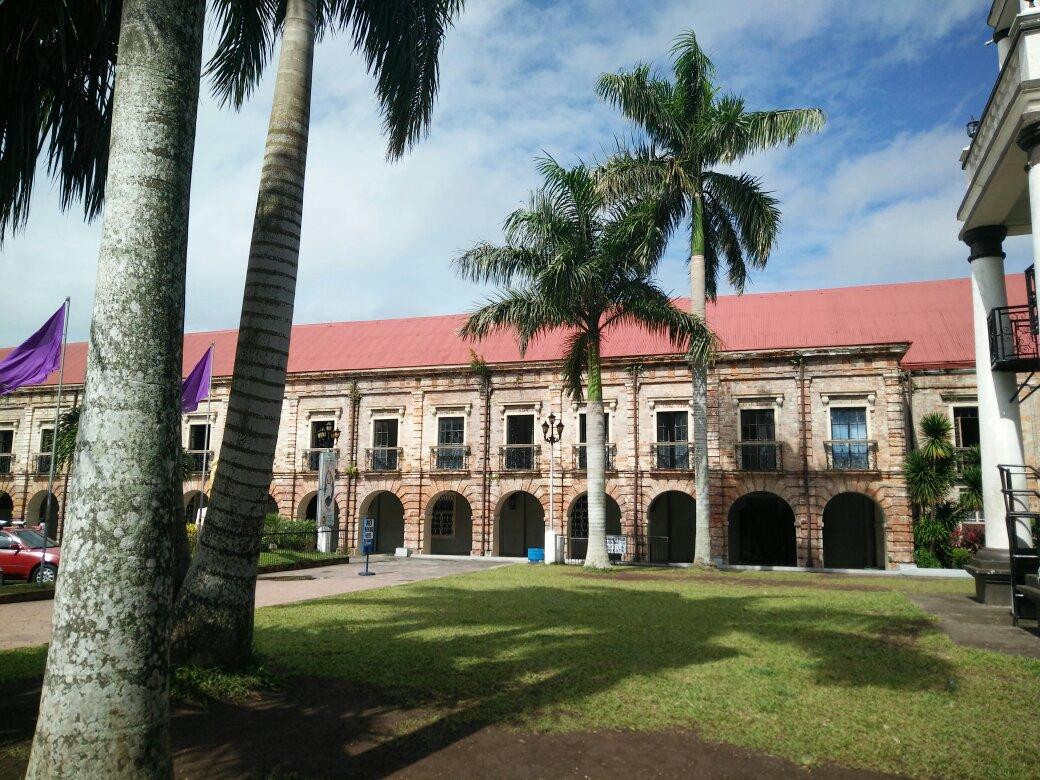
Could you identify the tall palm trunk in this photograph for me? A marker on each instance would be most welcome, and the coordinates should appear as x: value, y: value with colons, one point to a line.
x: 595, y: 450
x: 215, y: 607
x: 698, y: 306
x: 104, y: 710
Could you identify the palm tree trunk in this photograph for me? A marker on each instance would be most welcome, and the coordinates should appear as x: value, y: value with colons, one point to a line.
x: 104, y: 711
x: 698, y: 306
x: 215, y: 608
x: 595, y: 442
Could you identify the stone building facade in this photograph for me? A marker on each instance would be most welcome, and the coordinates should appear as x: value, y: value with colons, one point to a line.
x: 806, y: 442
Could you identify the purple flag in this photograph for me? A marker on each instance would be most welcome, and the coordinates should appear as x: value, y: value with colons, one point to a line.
x: 31, y: 361
x: 196, y: 386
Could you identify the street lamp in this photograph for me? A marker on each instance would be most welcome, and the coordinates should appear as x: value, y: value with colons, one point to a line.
x: 552, y: 431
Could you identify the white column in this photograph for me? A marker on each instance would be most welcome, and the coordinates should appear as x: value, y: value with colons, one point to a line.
x: 1029, y: 142
x: 1003, y: 44
x: 999, y: 423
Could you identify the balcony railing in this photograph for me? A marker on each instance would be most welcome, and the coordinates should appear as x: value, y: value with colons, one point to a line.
x: 6, y: 463
x: 449, y: 457
x: 383, y: 458
x: 201, y: 459
x: 759, y: 456
x: 1012, y: 339
x: 520, y: 457
x: 581, y: 457
x: 670, y: 456
x: 312, y: 458
x: 41, y: 463
x: 851, y: 455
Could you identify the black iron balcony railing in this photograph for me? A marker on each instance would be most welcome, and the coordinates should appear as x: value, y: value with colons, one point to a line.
x: 851, y: 455
x: 312, y: 458
x: 670, y: 456
x: 759, y: 456
x: 1012, y: 339
x: 520, y: 457
x: 581, y: 457
x: 383, y: 458
x: 449, y: 457
x: 6, y: 462
x: 201, y: 459
x: 42, y: 463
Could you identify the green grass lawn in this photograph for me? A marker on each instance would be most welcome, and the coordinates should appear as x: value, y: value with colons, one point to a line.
x: 11, y: 586
x: 786, y: 663
x: 814, y: 674
x: 280, y: 557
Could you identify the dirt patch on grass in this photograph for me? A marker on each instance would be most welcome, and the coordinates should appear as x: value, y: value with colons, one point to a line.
x: 314, y: 727
x: 821, y: 581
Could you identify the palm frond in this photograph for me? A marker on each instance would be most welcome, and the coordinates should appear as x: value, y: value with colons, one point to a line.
x: 936, y: 437
x: 691, y: 64
x: 640, y: 301
x: 575, y: 363
x: 496, y: 264
x: 520, y: 310
x: 754, y: 212
x: 926, y: 483
x: 247, y: 34
x: 641, y: 97
x: 747, y: 133
x: 401, y: 42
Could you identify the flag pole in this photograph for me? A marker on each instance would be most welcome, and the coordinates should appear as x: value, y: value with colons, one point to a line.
x: 54, y: 440
x: 203, y: 501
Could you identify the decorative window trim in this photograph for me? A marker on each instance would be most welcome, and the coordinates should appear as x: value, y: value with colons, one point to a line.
x: 521, y: 406
x: 611, y: 416
x: 868, y: 397
x: 765, y: 401
x: 851, y: 404
x: 451, y: 410
x: 385, y: 412
x: 960, y: 398
x: 669, y: 404
x: 10, y: 424
x: 331, y: 412
x: 372, y: 428
x: 198, y: 418
x: 608, y: 405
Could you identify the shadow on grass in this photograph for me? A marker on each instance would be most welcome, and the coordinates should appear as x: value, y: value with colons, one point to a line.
x: 506, y: 655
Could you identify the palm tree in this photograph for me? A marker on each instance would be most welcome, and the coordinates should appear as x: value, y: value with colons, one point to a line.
x: 401, y: 41
x: 573, y: 263
x: 692, y: 130
x: 931, y: 474
x: 57, y: 64
x: 104, y: 704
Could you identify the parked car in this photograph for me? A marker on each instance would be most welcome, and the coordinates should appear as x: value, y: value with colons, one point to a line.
x: 21, y: 555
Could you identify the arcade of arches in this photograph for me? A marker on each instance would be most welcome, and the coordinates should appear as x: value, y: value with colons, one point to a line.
x: 578, y: 525
x: 520, y: 525
x: 387, y: 510
x: 36, y: 510
x: 449, y: 525
x: 671, y: 528
x: 761, y: 531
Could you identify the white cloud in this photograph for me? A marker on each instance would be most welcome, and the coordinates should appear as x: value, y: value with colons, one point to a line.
x: 517, y: 79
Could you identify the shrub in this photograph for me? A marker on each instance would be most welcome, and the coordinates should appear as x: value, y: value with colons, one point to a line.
x: 926, y: 559
x: 959, y: 557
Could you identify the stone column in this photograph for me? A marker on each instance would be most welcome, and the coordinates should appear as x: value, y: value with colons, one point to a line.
x: 999, y: 422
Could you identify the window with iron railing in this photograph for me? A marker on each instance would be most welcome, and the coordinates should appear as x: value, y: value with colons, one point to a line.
x: 6, y: 451
x: 581, y: 457
x: 520, y: 457
x: 451, y: 453
x: 758, y: 449
x: 671, y: 451
x: 581, y: 453
x: 383, y: 458
x: 849, y: 449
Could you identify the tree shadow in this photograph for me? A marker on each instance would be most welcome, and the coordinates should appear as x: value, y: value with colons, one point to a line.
x: 445, y: 661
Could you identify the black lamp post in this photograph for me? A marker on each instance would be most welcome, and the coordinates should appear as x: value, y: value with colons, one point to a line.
x: 552, y: 431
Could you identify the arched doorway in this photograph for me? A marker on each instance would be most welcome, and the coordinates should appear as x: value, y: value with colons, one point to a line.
x: 761, y: 531
x: 36, y: 511
x: 387, y: 510
x: 310, y: 511
x: 671, y: 528
x: 853, y: 533
x: 520, y: 525
x: 270, y: 506
x: 194, y: 502
x: 578, y: 525
x: 6, y: 506
x: 449, y: 525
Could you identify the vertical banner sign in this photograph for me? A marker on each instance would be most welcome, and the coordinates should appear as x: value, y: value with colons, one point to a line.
x: 326, y: 500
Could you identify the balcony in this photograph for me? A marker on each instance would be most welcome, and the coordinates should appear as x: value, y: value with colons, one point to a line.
x: 41, y: 463
x: 851, y: 455
x: 759, y: 456
x: 452, y: 457
x: 520, y: 457
x: 383, y: 458
x: 670, y: 456
x: 581, y: 459
x: 200, y: 459
x: 312, y: 458
x: 1012, y: 339
x: 6, y: 463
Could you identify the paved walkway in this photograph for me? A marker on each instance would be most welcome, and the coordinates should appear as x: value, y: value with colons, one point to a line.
x: 29, y: 624
x: 969, y: 623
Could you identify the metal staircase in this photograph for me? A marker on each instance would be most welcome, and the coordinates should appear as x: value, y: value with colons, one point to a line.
x: 1020, y: 486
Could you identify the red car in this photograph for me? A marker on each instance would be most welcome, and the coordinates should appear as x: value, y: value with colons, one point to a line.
x: 21, y: 553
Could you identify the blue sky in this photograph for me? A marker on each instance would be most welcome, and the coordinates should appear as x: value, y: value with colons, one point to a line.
x: 871, y: 199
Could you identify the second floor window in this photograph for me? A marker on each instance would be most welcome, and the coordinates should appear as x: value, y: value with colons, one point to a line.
x: 966, y: 426
x: 757, y: 425
x: 673, y: 436
x: 6, y: 448
x: 384, y: 445
x: 519, y: 442
x: 849, y: 446
x: 198, y: 437
x: 321, y: 434
x: 43, y: 459
x: 451, y: 440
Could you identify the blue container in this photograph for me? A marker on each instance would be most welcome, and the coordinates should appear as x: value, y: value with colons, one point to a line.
x: 536, y: 555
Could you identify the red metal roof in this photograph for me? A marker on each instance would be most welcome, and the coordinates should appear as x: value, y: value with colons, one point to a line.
x: 935, y: 318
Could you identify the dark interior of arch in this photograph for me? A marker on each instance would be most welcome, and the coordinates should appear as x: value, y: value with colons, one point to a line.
x: 762, y: 532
